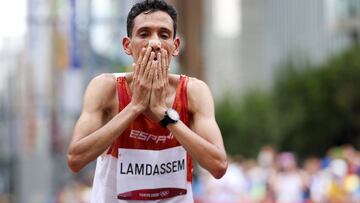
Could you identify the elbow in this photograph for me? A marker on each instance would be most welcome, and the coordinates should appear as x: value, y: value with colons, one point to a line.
x: 74, y: 163
x: 220, y: 169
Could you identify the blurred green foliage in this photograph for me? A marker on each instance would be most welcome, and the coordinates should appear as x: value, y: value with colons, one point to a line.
x: 310, y: 109
x: 247, y: 123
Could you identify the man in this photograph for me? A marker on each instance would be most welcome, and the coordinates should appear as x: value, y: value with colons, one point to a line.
x: 143, y: 127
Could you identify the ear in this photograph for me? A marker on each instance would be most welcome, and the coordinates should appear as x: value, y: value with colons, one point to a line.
x: 127, y: 45
x: 177, y: 46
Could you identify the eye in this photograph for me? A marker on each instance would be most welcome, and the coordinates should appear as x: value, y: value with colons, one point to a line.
x: 143, y: 34
x: 164, y: 35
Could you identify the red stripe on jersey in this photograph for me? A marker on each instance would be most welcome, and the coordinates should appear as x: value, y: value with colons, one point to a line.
x: 144, y: 133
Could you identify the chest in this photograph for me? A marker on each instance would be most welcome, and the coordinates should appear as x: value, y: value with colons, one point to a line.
x: 114, y: 106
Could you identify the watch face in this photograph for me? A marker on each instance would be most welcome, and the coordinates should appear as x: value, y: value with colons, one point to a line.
x: 173, y: 114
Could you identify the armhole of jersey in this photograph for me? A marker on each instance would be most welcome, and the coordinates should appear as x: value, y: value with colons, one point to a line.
x: 184, y: 99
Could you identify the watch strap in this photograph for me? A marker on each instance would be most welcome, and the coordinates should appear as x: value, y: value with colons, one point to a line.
x: 167, y: 120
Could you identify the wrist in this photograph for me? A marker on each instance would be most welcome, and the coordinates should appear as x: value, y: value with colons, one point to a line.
x: 160, y: 113
x: 171, y: 117
x: 136, y: 109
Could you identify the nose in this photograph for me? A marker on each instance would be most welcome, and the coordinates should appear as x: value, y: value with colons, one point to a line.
x: 155, y: 44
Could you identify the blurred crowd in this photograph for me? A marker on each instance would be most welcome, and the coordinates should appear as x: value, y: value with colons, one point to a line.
x: 278, y: 177
x: 274, y: 177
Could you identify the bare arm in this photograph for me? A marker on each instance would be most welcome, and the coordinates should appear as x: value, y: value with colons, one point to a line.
x: 94, y: 132
x: 203, y: 141
x: 92, y: 135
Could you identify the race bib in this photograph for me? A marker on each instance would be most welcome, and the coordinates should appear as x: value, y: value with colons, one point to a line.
x: 151, y: 174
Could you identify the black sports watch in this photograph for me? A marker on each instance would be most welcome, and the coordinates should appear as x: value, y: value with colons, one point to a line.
x: 171, y: 116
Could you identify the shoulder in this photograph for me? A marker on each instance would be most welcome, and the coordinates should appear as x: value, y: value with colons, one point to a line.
x: 101, y: 90
x: 199, y: 95
x: 196, y: 86
x: 104, y: 84
x: 104, y: 78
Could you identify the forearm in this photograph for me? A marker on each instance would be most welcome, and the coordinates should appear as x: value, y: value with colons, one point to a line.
x: 89, y: 147
x: 208, y: 155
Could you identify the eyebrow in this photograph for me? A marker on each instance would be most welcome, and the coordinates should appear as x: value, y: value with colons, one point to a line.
x: 142, y: 29
x: 162, y: 29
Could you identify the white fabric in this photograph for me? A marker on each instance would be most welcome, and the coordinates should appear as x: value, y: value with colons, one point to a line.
x: 288, y: 188
x: 229, y: 189
x: 119, y: 74
x: 104, y: 185
x: 150, y: 169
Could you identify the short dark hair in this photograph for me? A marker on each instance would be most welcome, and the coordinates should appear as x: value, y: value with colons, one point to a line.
x: 150, y: 6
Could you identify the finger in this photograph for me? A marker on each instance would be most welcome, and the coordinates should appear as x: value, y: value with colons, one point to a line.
x: 145, y: 59
x: 158, y: 71
x: 160, y: 59
x: 139, y: 59
x: 166, y: 71
x: 149, y: 64
x: 138, y: 62
x: 136, y: 71
x: 163, y: 63
x: 163, y: 57
x: 167, y: 59
x: 160, y: 68
x: 156, y: 76
x: 141, y: 55
x: 152, y: 70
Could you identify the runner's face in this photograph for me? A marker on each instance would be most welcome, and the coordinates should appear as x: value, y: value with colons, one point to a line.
x: 153, y: 29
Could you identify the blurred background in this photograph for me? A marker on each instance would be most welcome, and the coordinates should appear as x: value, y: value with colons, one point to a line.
x: 285, y: 75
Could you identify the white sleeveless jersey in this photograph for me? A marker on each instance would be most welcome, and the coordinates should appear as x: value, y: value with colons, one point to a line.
x: 145, y: 163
